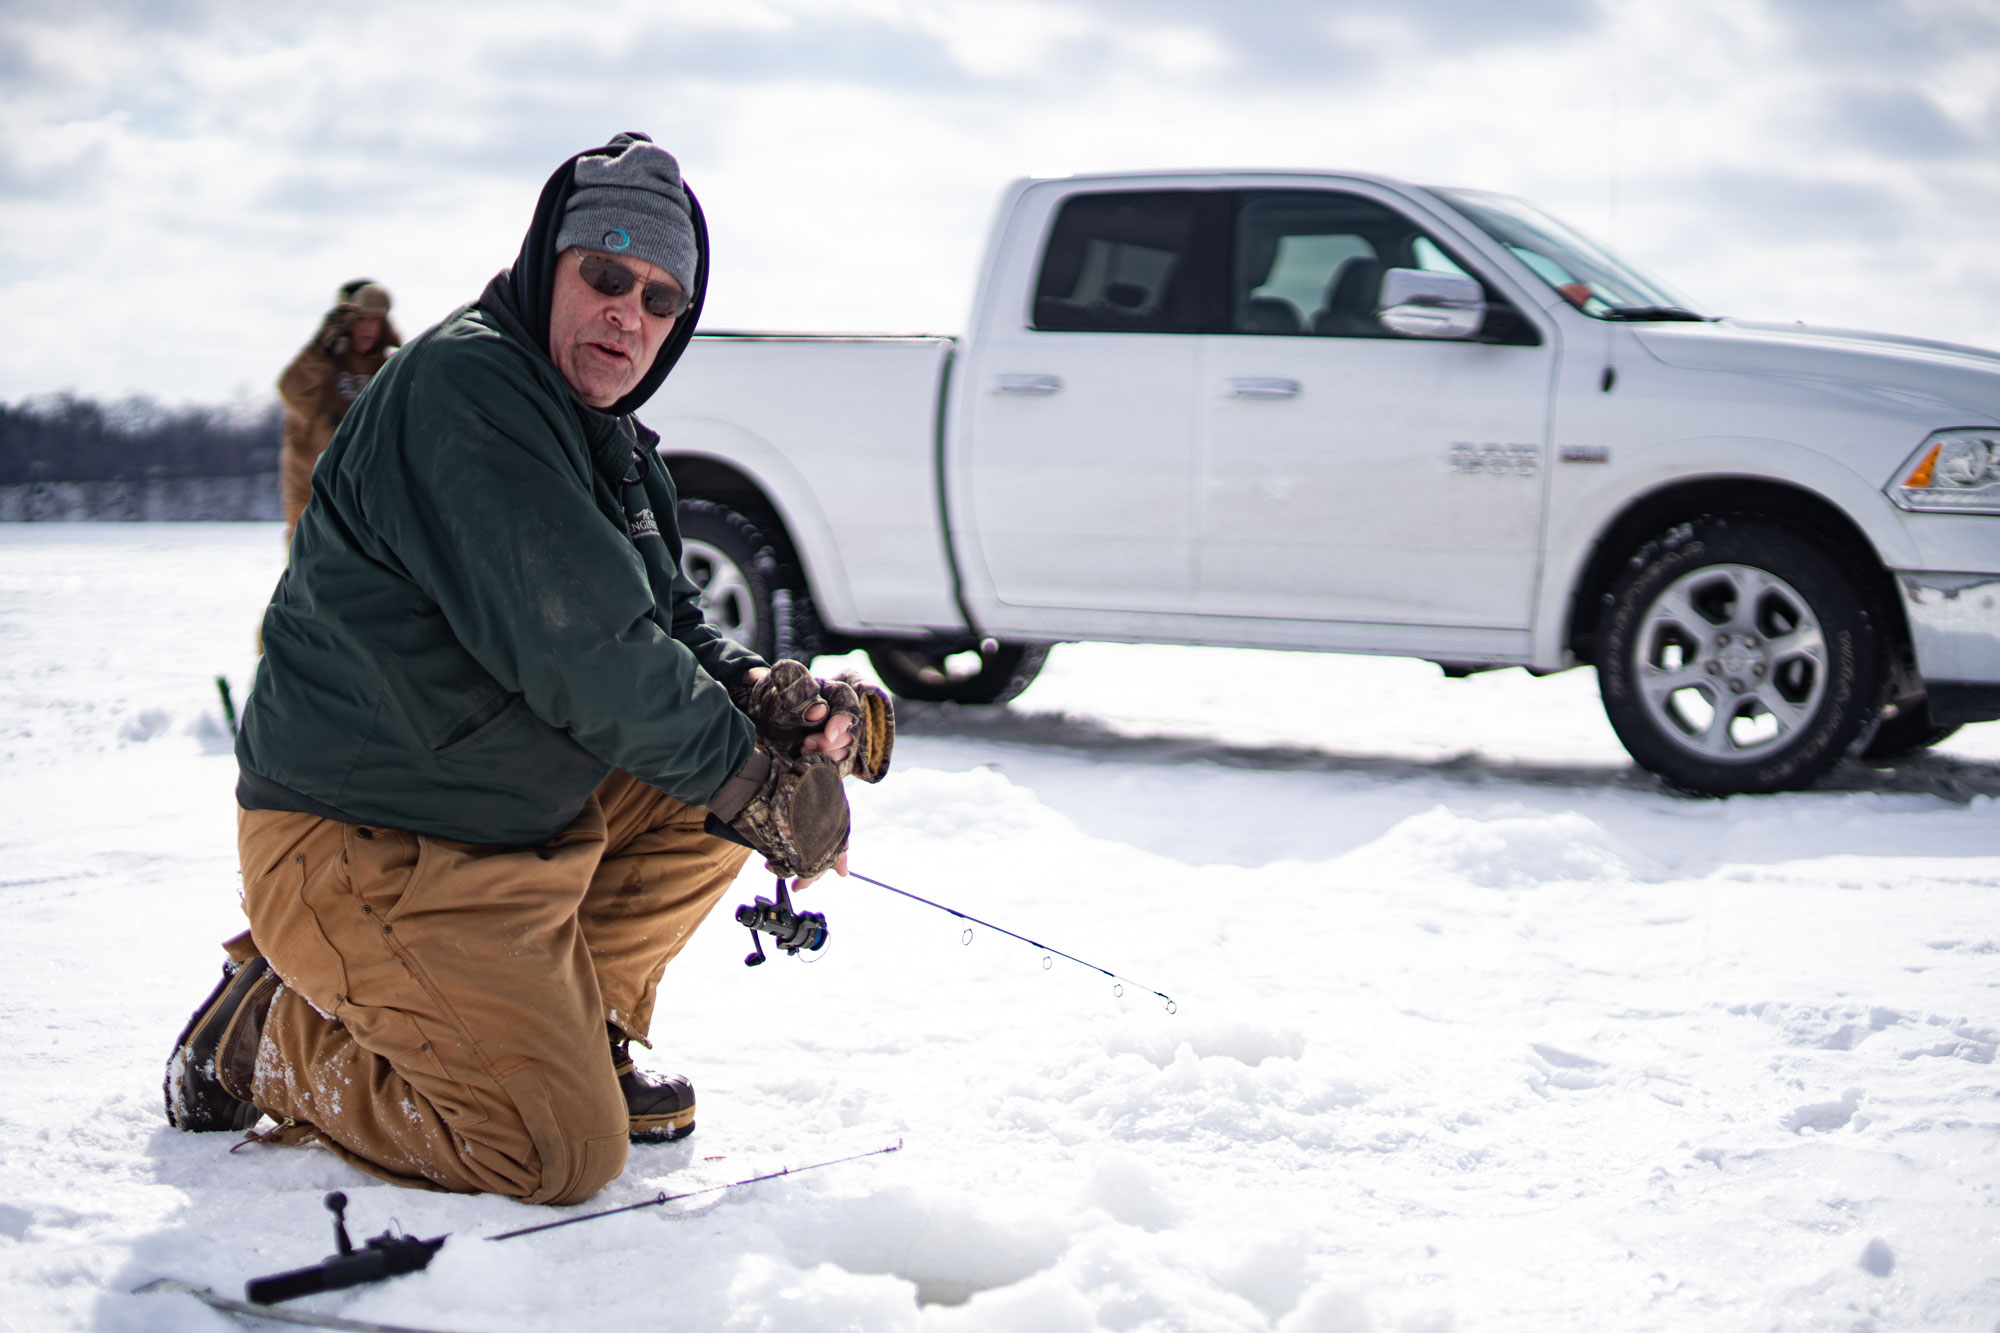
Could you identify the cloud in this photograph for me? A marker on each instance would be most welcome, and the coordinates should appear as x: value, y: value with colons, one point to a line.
x: 865, y: 51
x: 1783, y: 208
x: 18, y: 66
x: 849, y: 151
x: 1898, y: 123
x: 1312, y: 39
x: 66, y: 175
x: 1886, y: 36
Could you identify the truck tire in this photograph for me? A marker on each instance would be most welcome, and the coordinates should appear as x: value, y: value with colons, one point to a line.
x: 971, y: 677
x: 1739, y: 656
x: 1909, y: 731
x: 749, y: 590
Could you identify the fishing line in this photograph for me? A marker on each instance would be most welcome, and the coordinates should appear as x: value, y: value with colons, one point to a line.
x: 1119, y: 981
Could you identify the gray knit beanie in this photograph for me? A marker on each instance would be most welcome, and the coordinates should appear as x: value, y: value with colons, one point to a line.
x: 630, y: 202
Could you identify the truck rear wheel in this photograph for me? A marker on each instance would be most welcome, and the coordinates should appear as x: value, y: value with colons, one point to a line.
x: 749, y: 590
x: 974, y: 676
x: 1738, y: 656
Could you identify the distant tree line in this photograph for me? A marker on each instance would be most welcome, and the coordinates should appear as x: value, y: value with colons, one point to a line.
x: 63, y: 437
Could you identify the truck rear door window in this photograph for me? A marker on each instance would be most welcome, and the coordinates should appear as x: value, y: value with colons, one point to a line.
x: 1123, y: 262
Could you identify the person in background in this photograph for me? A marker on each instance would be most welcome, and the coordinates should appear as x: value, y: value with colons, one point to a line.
x: 323, y: 381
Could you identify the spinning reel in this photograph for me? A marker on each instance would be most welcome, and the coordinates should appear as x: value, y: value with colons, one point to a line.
x: 789, y: 929
x: 795, y: 930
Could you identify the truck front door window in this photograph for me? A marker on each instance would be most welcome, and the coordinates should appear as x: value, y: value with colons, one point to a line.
x: 1433, y: 260
x: 1311, y: 262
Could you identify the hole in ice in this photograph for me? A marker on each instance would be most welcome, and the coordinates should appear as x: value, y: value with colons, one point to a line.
x: 949, y: 1249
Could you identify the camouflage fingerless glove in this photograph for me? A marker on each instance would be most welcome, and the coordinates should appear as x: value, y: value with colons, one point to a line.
x: 778, y: 703
x: 796, y: 815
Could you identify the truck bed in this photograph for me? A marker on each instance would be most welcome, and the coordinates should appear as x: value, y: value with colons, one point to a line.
x: 841, y: 432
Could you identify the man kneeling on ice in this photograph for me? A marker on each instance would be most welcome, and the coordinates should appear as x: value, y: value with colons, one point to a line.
x: 495, y: 767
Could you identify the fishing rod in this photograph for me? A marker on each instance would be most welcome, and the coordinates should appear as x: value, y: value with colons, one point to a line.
x: 664, y: 1197
x: 392, y: 1254
x: 795, y: 930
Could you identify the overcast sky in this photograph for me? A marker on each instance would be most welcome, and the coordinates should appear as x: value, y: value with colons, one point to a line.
x: 183, y: 184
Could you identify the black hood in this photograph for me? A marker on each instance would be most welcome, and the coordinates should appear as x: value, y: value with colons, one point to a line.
x: 522, y: 295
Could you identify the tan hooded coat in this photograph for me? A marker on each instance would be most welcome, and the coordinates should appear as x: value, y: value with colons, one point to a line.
x: 317, y: 389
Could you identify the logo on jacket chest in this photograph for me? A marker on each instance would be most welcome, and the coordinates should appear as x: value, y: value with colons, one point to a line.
x: 643, y: 524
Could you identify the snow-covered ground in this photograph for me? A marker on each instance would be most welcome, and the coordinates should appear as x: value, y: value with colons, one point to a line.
x: 1477, y: 1028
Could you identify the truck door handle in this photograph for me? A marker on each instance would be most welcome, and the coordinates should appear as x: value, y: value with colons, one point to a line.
x: 1027, y: 384
x: 1263, y: 388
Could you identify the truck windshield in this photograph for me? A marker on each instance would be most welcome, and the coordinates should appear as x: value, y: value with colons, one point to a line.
x: 1587, y: 275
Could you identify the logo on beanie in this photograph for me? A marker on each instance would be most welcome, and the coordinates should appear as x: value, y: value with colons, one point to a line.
x: 618, y: 239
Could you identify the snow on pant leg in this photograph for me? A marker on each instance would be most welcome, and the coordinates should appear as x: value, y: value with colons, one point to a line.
x: 440, y: 1023
x: 661, y: 875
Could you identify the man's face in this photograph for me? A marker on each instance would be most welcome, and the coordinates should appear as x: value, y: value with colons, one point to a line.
x: 366, y: 331
x: 602, y: 344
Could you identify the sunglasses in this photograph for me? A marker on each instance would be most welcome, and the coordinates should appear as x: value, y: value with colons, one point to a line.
x: 608, y: 277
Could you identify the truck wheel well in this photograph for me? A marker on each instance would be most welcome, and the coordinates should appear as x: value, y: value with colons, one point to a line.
x: 706, y: 479
x: 719, y: 483
x: 1653, y: 514
x: 698, y: 478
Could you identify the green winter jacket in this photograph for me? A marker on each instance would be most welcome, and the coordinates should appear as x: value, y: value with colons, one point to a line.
x: 484, y: 611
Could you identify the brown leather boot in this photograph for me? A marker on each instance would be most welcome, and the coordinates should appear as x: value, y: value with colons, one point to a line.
x: 214, y: 1060
x: 661, y: 1107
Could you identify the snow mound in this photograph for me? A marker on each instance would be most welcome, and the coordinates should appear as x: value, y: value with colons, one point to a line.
x: 979, y: 808
x: 1248, y: 1041
x: 1513, y: 848
x: 1132, y: 1191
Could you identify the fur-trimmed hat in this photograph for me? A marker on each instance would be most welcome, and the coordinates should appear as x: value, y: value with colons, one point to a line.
x: 370, y: 295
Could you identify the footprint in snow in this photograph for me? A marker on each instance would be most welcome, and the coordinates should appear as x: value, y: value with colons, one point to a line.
x: 1565, y: 1069
x: 1826, y: 1117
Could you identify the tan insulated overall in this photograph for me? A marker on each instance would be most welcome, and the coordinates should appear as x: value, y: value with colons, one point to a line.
x: 443, y: 1017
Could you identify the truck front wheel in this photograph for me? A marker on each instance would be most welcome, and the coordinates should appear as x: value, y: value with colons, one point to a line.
x: 1738, y: 656
x: 975, y: 676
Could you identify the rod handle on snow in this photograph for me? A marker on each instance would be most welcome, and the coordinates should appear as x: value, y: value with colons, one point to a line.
x: 336, y: 1203
x: 384, y: 1256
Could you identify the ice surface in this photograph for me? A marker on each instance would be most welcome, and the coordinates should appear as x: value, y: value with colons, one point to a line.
x: 1477, y: 1029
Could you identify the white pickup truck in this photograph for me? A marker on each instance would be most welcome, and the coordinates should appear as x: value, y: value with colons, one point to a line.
x: 1337, y: 412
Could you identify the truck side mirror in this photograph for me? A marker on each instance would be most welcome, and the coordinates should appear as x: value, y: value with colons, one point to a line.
x: 1420, y: 304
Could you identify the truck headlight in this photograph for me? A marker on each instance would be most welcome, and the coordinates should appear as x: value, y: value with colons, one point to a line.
x: 1952, y: 472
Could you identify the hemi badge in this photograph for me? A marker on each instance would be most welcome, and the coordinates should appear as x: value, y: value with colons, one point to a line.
x: 1585, y: 453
